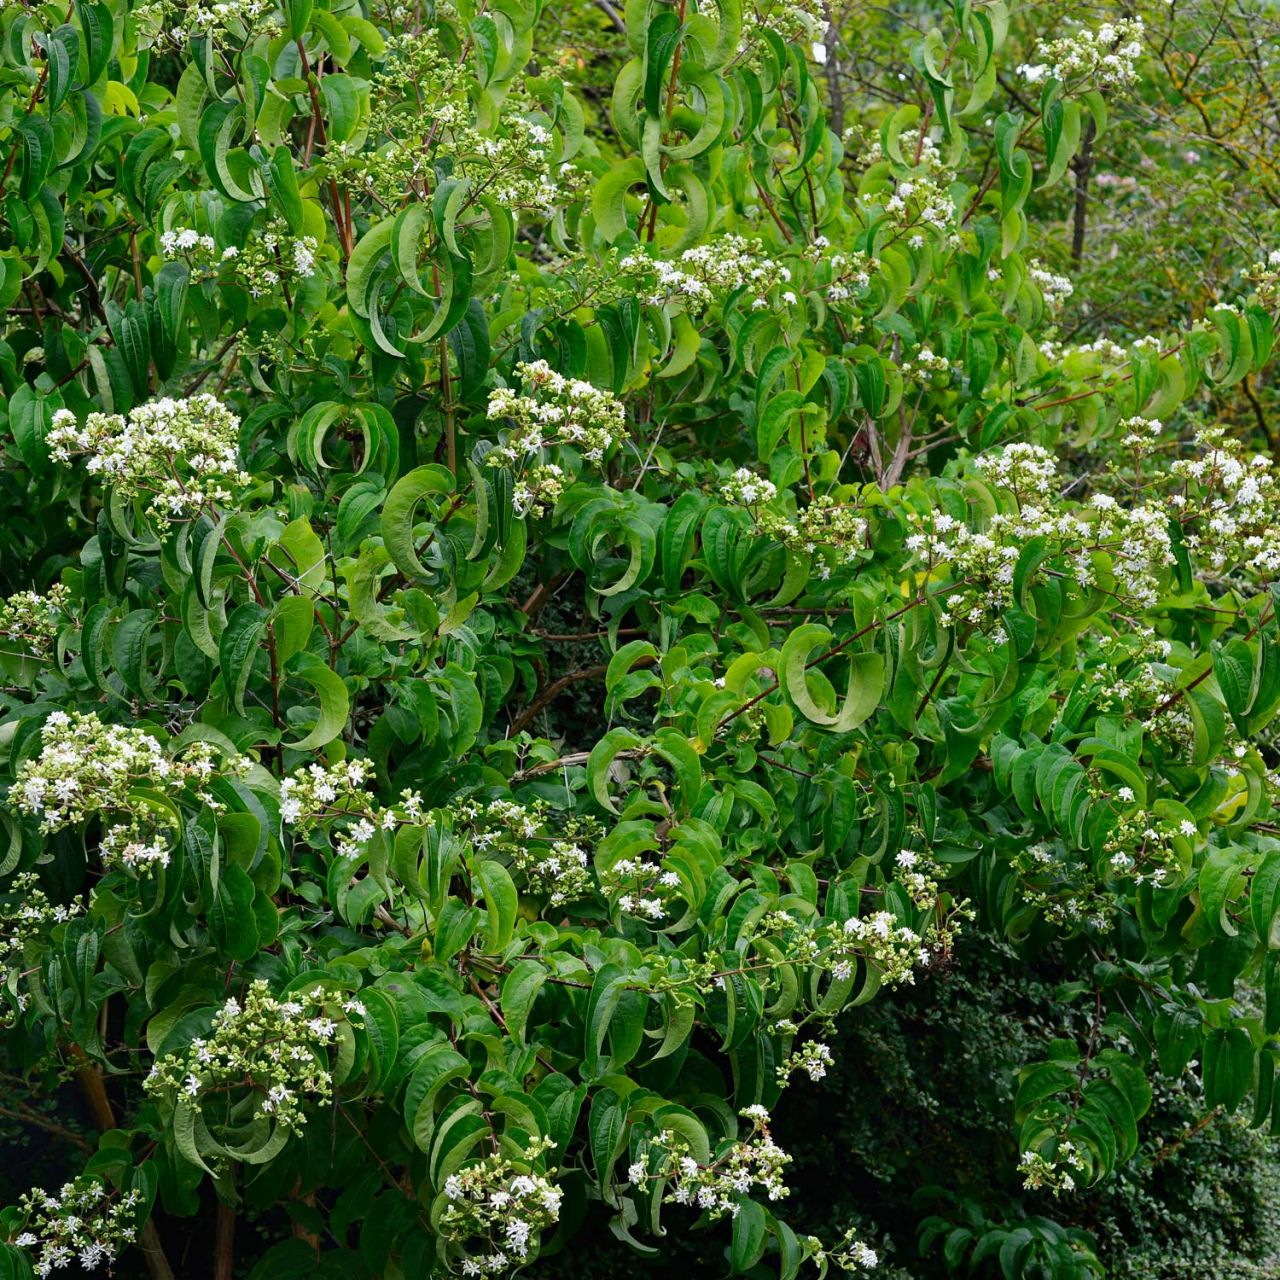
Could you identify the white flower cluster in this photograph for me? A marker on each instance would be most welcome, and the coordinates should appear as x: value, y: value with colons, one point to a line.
x: 87, y: 767
x: 813, y: 1058
x: 315, y: 793
x: 1056, y: 1174
x: 748, y: 489
x: 1142, y: 550
x: 847, y: 274
x: 924, y: 365
x: 274, y: 1051
x: 719, y: 1187
x: 1265, y: 278
x: 1139, y: 849
x: 271, y: 258
x: 920, y: 203
x: 560, y: 411
x: 920, y: 153
x: 1238, y: 500
x: 183, y: 453
x: 1141, y: 435
x: 641, y: 887
x: 29, y: 916
x: 1023, y: 469
x: 405, y: 138
x: 892, y: 948
x: 1107, y: 58
x: 1109, y: 353
x: 1063, y: 886
x: 33, y: 620
x: 496, y: 1211
x: 554, y: 866
x: 851, y: 1254
x: 918, y: 874
x: 84, y: 1223
x: 710, y: 273
x: 1054, y: 288
x: 198, y: 251
x: 879, y: 939
x: 1136, y: 540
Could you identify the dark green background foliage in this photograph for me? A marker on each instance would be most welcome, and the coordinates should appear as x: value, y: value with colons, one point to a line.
x: 639, y: 639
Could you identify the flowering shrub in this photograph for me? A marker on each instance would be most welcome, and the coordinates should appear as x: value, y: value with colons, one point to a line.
x: 347, y: 346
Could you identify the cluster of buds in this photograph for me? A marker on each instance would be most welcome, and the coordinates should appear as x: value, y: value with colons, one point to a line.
x: 539, y: 489
x: 33, y: 621
x: 181, y: 453
x: 559, y: 411
x: 86, y: 767
x: 85, y: 1223
x: 1143, y: 848
x: 28, y: 917
x: 1062, y: 886
x: 497, y: 1209
x: 273, y: 1051
x: 1265, y: 278
x: 166, y: 24
x: 801, y: 21
x: 823, y: 526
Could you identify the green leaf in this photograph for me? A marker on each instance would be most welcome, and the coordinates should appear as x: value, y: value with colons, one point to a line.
x: 240, y: 644
x: 501, y: 902
x: 674, y: 748
x: 231, y: 920
x: 519, y: 991
x: 1221, y: 880
x: 600, y: 762
x: 1228, y: 1068
x: 398, y: 516
x: 608, y: 200
x: 866, y: 680
x: 749, y: 1233
x: 363, y: 263
x: 335, y: 703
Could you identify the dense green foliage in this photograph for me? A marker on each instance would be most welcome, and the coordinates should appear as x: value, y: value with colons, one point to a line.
x: 552, y: 556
